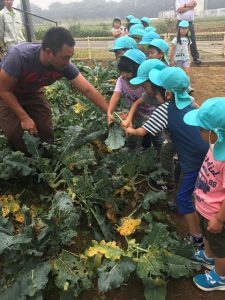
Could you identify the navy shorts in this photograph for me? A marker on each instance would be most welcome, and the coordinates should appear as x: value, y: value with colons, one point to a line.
x: 184, y: 196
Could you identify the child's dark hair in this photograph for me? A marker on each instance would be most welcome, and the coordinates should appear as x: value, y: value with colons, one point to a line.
x: 158, y: 89
x: 179, y: 36
x: 116, y: 19
x: 127, y: 65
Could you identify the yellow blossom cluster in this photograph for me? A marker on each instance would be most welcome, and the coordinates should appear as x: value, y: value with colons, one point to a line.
x: 79, y: 107
x: 109, y: 249
x: 10, y: 205
x: 128, y: 226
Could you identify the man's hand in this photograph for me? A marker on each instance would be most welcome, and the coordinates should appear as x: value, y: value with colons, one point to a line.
x: 28, y: 124
x: 215, y: 225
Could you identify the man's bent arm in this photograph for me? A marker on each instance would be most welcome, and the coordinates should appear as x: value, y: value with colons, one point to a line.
x: 7, y: 83
x: 90, y: 92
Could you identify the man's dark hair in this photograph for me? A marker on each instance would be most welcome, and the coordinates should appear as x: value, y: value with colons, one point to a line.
x: 56, y: 37
x: 127, y: 65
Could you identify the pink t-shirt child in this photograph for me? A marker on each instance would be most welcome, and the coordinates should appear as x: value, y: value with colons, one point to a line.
x: 210, y: 187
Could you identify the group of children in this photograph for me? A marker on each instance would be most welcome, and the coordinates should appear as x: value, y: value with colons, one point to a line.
x: 155, y: 87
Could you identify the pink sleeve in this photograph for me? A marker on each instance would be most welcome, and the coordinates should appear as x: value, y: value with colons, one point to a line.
x: 119, y: 85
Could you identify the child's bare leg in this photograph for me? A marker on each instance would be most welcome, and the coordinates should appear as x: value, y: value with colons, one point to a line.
x: 187, y: 71
x: 207, y: 250
x: 220, y: 266
x: 193, y: 224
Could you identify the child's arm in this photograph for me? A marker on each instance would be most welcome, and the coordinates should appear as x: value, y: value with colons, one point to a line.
x: 136, y: 131
x: 189, y: 50
x: 216, y: 224
x: 116, y: 33
x: 173, y: 48
x: 112, y: 105
x: 128, y: 121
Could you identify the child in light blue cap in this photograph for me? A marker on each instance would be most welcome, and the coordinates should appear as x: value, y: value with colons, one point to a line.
x: 147, y: 38
x: 136, y: 33
x: 190, y: 148
x: 180, y: 50
x: 159, y: 49
x: 122, y: 44
x: 145, y: 21
x: 149, y: 101
x: 128, y: 65
x: 210, y: 193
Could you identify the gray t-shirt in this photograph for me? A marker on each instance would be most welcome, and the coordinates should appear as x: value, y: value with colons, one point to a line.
x: 22, y: 62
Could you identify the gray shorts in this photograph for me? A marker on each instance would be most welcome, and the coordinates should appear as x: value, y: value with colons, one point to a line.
x: 182, y: 63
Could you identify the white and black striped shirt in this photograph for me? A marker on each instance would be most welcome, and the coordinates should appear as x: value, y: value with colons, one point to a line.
x: 158, y: 120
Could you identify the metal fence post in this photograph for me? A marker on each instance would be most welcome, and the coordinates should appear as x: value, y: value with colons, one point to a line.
x: 223, y: 44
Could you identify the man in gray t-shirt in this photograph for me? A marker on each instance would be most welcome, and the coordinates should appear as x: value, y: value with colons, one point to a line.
x: 25, y: 70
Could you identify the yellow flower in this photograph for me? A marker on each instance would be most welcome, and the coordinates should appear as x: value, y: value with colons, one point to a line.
x: 128, y: 226
x: 78, y: 107
x: 19, y: 217
x: 5, y: 211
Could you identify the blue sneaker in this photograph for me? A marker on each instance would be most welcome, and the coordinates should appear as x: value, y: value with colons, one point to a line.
x: 209, y: 281
x: 199, y: 257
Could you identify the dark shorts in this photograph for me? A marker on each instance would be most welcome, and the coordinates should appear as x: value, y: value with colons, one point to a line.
x: 216, y: 240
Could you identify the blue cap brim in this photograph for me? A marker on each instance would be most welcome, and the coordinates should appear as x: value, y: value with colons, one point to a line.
x: 154, y: 77
x: 138, y: 80
x: 191, y: 118
x: 182, y: 99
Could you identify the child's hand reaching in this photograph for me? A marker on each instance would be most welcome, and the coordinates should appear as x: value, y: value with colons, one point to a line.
x: 127, y: 123
x: 110, y: 118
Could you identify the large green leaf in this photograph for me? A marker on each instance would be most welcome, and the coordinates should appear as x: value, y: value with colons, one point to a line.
x: 15, y: 164
x: 71, y: 273
x: 113, y: 274
x: 6, y: 241
x: 153, y: 197
x: 155, y: 292
x: 151, y: 265
x: 180, y: 266
x: 116, y: 137
x: 28, y: 283
x: 33, y: 144
x: 156, y: 236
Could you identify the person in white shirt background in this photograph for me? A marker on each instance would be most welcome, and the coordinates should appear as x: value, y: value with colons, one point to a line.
x: 185, y: 12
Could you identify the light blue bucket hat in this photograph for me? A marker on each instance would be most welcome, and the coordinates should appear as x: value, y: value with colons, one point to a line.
x: 136, y: 32
x: 129, y: 17
x: 146, y: 20
x: 145, y: 68
x: 184, y: 24
x: 150, y: 28
x: 173, y: 79
x: 136, y: 55
x: 135, y: 21
x: 161, y: 44
x: 124, y: 42
x: 136, y: 26
x: 211, y: 116
x: 148, y: 37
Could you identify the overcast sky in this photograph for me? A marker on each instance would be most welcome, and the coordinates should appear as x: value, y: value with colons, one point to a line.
x: 44, y: 3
